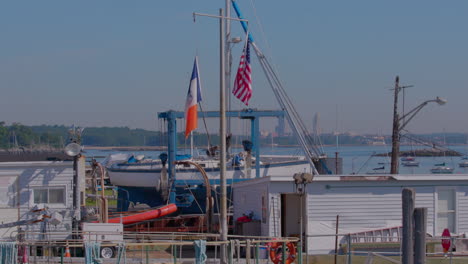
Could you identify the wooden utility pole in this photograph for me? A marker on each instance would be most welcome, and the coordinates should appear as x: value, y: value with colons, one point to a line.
x: 395, y: 131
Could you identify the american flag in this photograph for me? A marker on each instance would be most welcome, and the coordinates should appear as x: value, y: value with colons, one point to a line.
x: 243, y: 83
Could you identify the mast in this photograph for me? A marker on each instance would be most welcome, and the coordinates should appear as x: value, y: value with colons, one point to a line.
x: 222, y: 129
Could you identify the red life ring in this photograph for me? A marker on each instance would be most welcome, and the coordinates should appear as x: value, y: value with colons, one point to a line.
x: 276, y: 252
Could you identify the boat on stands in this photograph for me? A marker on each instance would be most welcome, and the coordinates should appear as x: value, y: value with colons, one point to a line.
x: 152, y: 173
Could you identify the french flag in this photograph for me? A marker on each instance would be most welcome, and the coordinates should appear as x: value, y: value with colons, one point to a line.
x: 193, y: 98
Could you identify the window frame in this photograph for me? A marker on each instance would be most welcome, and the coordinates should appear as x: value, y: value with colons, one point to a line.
x: 48, y: 188
x: 454, y: 191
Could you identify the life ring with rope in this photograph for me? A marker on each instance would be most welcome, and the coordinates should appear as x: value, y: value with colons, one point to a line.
x: 276, y: 252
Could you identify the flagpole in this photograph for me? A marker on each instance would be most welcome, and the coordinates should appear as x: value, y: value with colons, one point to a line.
x: 222, y: 135
x: 222, y: 131
x: 191, y: 143
x: 227, y: 62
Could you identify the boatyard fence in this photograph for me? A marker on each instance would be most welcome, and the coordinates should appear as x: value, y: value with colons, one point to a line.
x: 151, y: 247
x: 161, y: 247
x: 382, y: 249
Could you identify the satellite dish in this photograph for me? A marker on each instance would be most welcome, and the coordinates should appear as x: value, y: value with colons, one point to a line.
x: 72, y: 149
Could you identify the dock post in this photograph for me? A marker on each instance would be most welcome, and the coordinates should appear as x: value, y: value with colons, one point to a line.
x: 257, y: 253
x: 283, y: 254
x: 349, y: 250
x: 420, y: 227
x: 299, y: 251
x: 247, y: 251
x: 407, y: 243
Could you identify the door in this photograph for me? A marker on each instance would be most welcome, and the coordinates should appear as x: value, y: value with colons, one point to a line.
x: 290, y: 215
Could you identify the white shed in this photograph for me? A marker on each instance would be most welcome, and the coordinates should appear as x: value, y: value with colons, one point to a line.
x: 29, y: 185
x: 363, y: 203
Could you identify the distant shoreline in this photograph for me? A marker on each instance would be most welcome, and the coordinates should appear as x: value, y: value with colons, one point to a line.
x: 126, y: 148
x: 163, y: 148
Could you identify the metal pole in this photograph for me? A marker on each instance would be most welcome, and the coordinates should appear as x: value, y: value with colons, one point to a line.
x: 420, y: 228
x: 301, y: 196
x: 408, y: 197
x: 172, y: 149
x: 336, y: 162
x: 222, y: 134
x: 228, y: 62
x: 336, y: 238
x: 451, y: 249
x: 349, y: 250
x: 395, y: 130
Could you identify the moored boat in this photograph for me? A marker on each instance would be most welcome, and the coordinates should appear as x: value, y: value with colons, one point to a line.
x: 411, y: 163
x: 441, y: 169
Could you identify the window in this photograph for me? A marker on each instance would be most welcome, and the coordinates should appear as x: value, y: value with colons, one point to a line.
x: 446, y: 210
x: 51, y: 195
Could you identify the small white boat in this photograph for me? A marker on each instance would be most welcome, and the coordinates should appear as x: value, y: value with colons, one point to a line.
x: 411, y: 163
x: 463, y: 164
x: 407, y: 158
x: 442, y: 170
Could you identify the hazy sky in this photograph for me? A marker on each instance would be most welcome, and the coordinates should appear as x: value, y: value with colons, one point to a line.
x: 119, y: 63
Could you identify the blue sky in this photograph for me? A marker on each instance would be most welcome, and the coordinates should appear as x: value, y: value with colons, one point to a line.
x: 118, y: 63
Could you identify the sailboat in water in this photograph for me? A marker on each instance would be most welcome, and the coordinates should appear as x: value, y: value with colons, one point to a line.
x: 441, y: 168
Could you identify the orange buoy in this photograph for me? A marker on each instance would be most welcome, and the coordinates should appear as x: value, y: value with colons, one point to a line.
x: 276, y: 254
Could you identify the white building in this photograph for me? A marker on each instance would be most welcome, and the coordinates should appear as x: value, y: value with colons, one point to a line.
x: 29, y: 185
x: 363, y: 203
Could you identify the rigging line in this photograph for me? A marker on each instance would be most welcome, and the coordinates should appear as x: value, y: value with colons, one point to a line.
x: 287, y: 100
x: 262, y: 31
x: 424, y: 142
x: 292, y: 122
x: 297, y: 116
x: 206, y: 127
x: 367, y: 161
x: 196, y: 201
x: 290, y: 109
x: 312, y: 141
x: 216, y: 192
x: 285, y: 105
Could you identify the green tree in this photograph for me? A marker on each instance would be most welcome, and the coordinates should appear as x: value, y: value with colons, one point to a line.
x: 3, y: 135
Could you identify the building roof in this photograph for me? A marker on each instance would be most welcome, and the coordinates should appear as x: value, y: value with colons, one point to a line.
x: 363, y: 178
x: 24, y: 155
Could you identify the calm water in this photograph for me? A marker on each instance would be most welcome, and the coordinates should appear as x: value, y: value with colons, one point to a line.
x: 357, y: 159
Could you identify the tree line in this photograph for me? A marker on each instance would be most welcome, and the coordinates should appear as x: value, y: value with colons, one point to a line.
x: 17, y: 135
